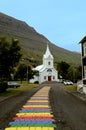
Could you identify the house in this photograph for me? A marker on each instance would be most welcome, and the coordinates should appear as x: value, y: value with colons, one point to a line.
x: 83, y: 58
x: 46, y: 71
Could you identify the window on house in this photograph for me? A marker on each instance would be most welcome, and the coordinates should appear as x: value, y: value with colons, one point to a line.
x: 85, y: 72
x: 84, y: 45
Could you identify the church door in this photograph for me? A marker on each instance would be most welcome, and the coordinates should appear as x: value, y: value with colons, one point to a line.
x: 49, y: 78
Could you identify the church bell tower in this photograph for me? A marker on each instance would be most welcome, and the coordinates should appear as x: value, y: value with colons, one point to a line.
x: 48, y: 58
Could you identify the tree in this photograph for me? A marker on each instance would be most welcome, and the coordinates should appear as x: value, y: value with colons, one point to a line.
x: 21, y: 72
x: 4, y: 55
x: 79, y: 73
x: 62, y: 68
x: 14, y: 53
x: 71, y: 73
x: 9, y: 57
x: 74, y: 73
x: 30, y: 73
x: 24, y: 72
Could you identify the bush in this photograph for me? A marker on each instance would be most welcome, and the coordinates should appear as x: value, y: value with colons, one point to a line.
x: 36, y: 82
x: 3, y: 86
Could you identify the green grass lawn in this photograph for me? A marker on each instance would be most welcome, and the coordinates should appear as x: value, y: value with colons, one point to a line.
x: 22, y: 88
x: 71, y: 87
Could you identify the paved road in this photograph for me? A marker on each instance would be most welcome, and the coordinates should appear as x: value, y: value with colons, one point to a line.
x: 69, y: 111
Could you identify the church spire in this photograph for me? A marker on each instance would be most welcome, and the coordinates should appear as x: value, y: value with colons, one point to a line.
x: 48, y: 58
x: 48, y: 53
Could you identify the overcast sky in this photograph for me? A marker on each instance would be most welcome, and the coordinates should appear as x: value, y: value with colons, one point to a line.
x: 63, y: 22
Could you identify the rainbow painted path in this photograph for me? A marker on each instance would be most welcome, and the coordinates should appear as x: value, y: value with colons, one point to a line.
x: 36, y: 114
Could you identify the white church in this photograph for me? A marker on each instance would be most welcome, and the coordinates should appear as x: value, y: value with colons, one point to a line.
x: 46, y: 71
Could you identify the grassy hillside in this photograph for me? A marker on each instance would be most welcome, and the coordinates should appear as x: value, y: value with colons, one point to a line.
x: 34, y: 44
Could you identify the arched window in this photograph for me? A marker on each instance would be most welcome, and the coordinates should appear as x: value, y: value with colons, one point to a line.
x: 49, y: 63
x: 49, y: 70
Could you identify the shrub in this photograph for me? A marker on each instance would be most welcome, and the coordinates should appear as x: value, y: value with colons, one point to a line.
x: 36, y: 82
x: 3, y: 86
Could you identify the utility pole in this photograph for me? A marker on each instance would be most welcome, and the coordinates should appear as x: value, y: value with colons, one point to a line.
x: 26, y: 70
x: 27, y: 74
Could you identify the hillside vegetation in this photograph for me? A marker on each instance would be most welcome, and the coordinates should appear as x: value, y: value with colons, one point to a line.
x: 34, y: 44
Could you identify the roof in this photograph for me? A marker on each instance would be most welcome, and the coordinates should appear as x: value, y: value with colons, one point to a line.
x: 83, y: 39
x: 39, y: 68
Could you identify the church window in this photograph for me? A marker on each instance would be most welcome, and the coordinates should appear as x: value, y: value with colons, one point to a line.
x: 53, y: 77
x: 49, y: 63
x: 44, y: 77
x: 49, y: 70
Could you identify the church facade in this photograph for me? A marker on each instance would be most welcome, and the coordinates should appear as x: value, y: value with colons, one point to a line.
x: 46, y: 71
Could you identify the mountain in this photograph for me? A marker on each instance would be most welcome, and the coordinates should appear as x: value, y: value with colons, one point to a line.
x: 34, y: 44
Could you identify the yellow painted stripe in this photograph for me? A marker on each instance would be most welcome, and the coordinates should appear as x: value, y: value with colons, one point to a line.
x: 11, y: 128
x: 23, y: 128
x: 29, y: 128
x: 32, y: 128
x: 46, y: 113
x: 38, y: 128
x: 37, y: 101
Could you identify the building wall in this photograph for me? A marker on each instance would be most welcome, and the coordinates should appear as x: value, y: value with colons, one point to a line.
x: 44, y: 76
x: 46, y: 63
x: 83, y: 48
x: 84, y: 62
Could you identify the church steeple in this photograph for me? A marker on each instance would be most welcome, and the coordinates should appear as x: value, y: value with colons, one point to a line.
x: 48, y: 53
x: 48, y: 58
